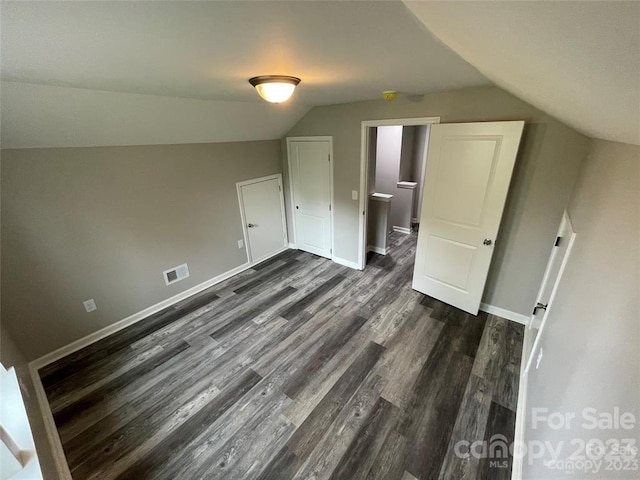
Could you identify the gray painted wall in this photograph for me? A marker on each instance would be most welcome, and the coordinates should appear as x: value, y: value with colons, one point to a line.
x: 105, y: 222
x: 549, y: 160
x: 590, y: 343
x: 407, y: 153
x: 419, y: 166
x: 390, y: 146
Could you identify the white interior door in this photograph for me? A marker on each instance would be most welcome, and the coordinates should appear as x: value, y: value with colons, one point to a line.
x: 552, y: 275
x: 467, y: 177
x: 262, y: 209
x: 311, y: 191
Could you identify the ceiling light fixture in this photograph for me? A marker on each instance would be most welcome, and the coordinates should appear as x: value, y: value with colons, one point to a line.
x: 275, y: 88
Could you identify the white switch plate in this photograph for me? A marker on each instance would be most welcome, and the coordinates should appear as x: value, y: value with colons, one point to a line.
x: 354, y: 194
x: 90, y: 305
x: 240, y: 244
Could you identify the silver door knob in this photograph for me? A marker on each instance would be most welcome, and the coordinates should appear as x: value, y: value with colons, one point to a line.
x: 487, y: 241
x: 251, y: 225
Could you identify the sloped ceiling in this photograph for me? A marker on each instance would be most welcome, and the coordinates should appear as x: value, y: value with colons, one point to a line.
x: 578, y: 61
x: 120, y: 73
x: 100, y: 73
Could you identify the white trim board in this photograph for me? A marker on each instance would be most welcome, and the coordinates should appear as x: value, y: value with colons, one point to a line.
x: 346, y: 263
x: 131, y: 319
x: 508, y: 314
x: 37, y: 364
x: 57, y: 451
x: 521, y: 410
x: 404, y: 230
x: 566, y: 221
x: 380, y: 250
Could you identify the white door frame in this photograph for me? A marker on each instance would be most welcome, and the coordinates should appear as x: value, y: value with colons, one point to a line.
x: 364, y: 172
x: 239, y: 185
x: 529, y: 350
x: 565, y: 220
x: 292, y: 199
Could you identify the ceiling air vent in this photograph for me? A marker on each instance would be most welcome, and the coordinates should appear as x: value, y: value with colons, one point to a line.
x: 176, y: 274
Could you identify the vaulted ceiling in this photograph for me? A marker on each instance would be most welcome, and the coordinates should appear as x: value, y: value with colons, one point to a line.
x: 578, y: 61
x: 64, y: 64
x: 343, y: 51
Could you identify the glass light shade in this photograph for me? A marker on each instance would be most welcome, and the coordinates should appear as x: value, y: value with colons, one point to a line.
x: 275, y: 88
x: 275, y: 92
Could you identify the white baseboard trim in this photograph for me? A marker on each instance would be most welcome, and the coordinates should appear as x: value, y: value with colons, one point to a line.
x: 346, y: 263
x: 37, y: 364
x: 268, y: 256
x: 380, y: 250
x: 402, y: 230
x: 136, y: 317
x: 293, y: 245
x: 521, y: 409
x: 508, y: 314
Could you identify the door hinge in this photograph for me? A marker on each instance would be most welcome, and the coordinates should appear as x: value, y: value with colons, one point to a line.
x: 331, y: 251
x: 329, y: 207
x: 539, y: 306
x: 557, y: 244
x: 329, y: 158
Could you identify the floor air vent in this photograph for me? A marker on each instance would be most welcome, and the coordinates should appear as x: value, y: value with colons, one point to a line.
x: 176, y: 274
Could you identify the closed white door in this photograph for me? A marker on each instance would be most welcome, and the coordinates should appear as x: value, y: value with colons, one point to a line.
x: 467, y: 177
x: 311, y: 184
x: 262, y: 208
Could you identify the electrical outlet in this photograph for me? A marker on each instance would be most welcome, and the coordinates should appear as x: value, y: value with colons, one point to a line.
x: 90, y: 305
x: 354, y: 194
x: 240, y: 243
x: 539, y: 359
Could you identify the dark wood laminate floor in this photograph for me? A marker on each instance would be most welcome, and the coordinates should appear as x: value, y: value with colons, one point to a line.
x: 297, y: 368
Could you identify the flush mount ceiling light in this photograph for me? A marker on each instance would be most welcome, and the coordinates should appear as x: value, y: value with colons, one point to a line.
x: 275, y: 88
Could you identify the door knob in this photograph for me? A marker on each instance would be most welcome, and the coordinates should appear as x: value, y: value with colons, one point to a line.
x: 487, y: 241
x: 251, y: 225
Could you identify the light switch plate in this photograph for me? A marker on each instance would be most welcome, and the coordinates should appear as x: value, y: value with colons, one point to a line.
x: 354, y: 194
x: 240, y: 244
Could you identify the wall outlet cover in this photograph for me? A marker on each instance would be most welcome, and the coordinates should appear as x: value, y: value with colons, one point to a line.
x: 90, y: 305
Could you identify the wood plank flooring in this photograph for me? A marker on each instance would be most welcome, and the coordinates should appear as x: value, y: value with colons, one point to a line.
x: 295, y: 369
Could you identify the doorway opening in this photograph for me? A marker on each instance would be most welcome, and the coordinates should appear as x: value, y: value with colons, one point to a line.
x: 465, y: 183
x: 394, y: 161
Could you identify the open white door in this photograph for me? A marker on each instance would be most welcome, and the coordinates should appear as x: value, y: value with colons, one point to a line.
x: 311, y: 191
x: 467, y: 178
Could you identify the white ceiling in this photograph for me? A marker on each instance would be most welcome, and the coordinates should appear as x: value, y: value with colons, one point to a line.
x: 343, y: 51
x: 578, y: 61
